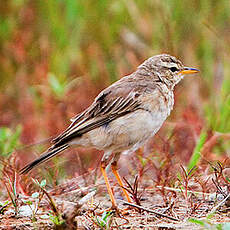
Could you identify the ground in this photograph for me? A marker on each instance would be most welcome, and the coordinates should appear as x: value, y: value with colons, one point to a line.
x: 74, y: 206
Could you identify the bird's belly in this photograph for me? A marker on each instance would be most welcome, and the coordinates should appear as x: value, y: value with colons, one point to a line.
x: 126, y: 132
x: 137, y: 128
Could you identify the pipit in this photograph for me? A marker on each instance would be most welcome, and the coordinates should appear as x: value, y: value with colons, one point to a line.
x: 124, y: 115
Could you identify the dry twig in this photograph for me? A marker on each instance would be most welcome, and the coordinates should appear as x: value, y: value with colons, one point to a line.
x: 151, y: 211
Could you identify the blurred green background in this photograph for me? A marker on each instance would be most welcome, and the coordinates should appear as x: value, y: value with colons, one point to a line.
x: 56, y: 55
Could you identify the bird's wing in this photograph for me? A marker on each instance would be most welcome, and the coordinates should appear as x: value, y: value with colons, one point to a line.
x: 106, y: 107
x: 110, y: 104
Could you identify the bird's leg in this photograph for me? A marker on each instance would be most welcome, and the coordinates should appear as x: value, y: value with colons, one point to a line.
x: 103, y: 167
x: 116, y: 174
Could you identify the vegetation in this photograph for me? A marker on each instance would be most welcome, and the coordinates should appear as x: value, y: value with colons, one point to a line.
x: 57, y: 55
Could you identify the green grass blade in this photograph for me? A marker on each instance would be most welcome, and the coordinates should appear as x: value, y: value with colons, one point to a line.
x: 196, y: 153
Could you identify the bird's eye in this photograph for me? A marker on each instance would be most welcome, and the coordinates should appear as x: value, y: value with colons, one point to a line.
x: 173, y: 69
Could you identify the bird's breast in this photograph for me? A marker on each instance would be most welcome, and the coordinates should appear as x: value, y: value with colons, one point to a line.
x: 160, y: 101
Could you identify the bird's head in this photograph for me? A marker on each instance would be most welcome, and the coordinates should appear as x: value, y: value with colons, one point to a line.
x: 167, y: 68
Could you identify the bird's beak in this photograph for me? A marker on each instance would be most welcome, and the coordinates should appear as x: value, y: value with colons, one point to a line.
x: 188, y: 70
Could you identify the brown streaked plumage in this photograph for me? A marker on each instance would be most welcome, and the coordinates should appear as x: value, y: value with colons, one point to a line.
x: 124, y: 115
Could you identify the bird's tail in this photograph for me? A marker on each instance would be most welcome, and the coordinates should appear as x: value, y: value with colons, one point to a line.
x: 51, y: 152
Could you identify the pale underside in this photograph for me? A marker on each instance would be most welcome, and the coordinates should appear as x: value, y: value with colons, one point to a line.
x: 132, y: 130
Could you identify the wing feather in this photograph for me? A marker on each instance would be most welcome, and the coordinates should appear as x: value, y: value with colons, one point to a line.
x: 101, y: 112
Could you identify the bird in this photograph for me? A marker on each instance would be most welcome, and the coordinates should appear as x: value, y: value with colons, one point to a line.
x: 123, y: 116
